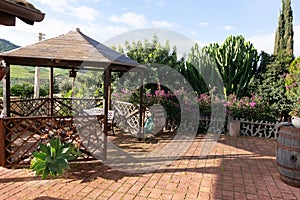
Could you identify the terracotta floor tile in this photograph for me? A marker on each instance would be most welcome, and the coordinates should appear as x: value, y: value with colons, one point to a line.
x: 236, y: 168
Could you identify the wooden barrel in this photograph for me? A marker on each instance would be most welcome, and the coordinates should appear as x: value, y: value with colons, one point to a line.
x: 159, y: 117
x: 288, y: 155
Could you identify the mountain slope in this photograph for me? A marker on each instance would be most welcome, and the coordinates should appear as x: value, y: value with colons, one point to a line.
x: 6, y: 45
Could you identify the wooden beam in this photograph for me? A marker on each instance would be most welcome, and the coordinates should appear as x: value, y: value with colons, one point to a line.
x: 141, y: 124
x: 23, y: 12
x: 2, y: 144
x: 107, y: 83
x: 42, y: 62
x: 51, y: 91
x: 7, y: 19
x: 6, y: 98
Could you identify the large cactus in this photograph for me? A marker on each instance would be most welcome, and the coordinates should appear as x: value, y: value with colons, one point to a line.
x: 236, y: 61
x: 201, y: 71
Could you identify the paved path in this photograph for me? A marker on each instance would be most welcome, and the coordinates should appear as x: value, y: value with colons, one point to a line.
x: 236, y: 168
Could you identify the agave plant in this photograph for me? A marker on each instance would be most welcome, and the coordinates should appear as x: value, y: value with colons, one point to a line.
x: 53, y: 158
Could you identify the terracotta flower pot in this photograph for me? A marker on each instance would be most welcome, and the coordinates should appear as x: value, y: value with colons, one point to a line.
x: 234, y: 128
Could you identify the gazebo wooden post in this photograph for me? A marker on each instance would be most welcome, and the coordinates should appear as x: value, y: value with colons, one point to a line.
x: 141, y: 124
x: 2, y: 129
x: 6, y: 108
x: 107, y: 83
x: 6, y: 95
x: 2, y: 144
x: 51, y: 91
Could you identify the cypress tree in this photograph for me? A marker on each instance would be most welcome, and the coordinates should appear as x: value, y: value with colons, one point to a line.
x: 272, y: 85
x: 284, y: 35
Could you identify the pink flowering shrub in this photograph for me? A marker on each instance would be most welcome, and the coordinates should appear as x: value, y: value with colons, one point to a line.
x: 245, y: 108
x: 249, y: 108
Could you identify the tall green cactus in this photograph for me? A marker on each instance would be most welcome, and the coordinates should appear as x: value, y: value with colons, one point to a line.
x: 202, y: 71
x: 236, y: 61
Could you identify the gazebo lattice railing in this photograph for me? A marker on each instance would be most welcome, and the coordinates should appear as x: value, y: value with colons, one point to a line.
x: 24, y: 134
x: 42, y: 106
x: 31, y: 124
x: 127, y: 117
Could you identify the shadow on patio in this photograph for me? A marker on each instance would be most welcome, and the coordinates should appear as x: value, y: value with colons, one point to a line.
x: 236, y: 168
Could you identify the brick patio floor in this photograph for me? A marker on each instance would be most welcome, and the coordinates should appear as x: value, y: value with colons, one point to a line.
x: 236, y: 168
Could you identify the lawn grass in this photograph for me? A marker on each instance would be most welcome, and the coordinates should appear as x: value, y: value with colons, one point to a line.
x: 17, y: 71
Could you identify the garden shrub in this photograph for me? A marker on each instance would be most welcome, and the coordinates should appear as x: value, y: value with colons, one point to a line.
x: 250, y: 108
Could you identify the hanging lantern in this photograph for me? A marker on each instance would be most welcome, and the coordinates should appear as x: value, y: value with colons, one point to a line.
x: 72, y: 73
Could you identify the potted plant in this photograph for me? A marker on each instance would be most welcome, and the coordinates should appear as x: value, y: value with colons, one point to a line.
x: 295, y: 116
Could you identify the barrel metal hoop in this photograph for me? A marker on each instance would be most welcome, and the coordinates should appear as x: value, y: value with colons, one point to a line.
x: 288, y: 148
x: 289, y: 136
x: 288, y: 168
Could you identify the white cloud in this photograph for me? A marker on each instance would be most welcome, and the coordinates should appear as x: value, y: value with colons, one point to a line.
x: 194, y: 33
x: 23, y: 34
x: 164, y: 24
x: 130, y: 19
x: 114, y: 30
x: 201, y: 44
x: 84, y: 13
x: 202, y: 23
x: 67, y: 7
x: 57, y: 5
x: 228, y: 28
x: 263, y: 42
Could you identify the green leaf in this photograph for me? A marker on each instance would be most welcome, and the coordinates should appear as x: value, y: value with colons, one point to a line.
x: 55, y: 143
x: 53, y: 151
x: 59, y: 171
x: 39, y: 167
x: 53, y: 169
x: 39, y: 155
x: 45, y: 149
x: 63, y: 163
x: 48, y: 158
x: 45, y: 173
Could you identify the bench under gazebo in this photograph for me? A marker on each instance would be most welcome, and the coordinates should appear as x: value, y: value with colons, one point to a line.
x: 21, y: 128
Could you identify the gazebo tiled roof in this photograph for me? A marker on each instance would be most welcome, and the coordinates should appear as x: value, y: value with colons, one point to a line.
x: 73, y: 49
x: 22, y: 9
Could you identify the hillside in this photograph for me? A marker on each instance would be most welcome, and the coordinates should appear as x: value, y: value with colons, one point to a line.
x: 6, y: 45
x: 28, y: 72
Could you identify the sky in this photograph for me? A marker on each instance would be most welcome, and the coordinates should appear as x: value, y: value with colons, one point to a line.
x: 201, y: 21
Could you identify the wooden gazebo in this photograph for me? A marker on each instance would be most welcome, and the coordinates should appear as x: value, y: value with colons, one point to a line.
x: 73, y: 51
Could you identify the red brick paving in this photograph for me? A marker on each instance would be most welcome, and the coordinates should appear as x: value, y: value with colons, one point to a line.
x: 236, y: 168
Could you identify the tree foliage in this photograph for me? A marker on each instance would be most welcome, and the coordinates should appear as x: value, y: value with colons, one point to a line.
x: 292, y: 82
x: 272, y: 81
x: 87, y: 84
x: 156, y: 56
x: 272, y: 86
x: 284, y: 42
x: 26, y: 90
x: 151, y: 52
